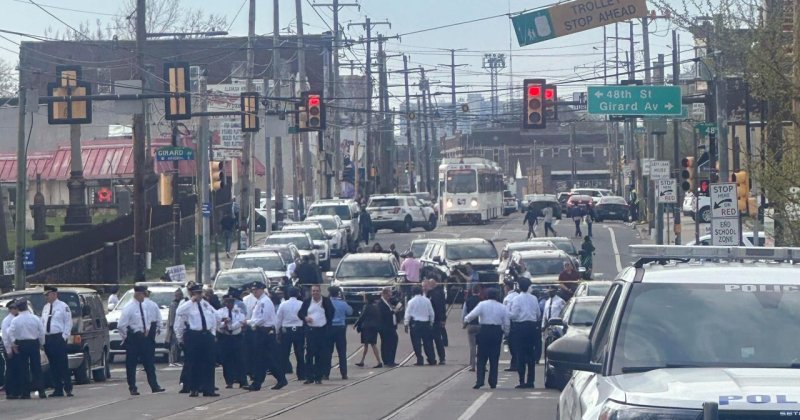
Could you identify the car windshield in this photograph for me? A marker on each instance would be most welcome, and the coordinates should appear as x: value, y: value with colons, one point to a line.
x: 342, y: 211
x: 225, y: 280
x: 265, y: 262
x: 350, y: 269
x: 566, y: 246
x: 461, y: 181
x: 584, y: 313
x: 326, y: 223
x: 528, y: 246
x: 301, y: 242
x: 314, y: 232
x: 161, y: 298
x: 470, y: 251
x: 418, y: 248
x: 544, y: 266
x: 722, y: 325
x: 384, y: 202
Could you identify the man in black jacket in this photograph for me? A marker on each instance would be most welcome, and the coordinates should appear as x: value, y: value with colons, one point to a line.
x: 317, y: 314
x: 435, y: 293
x: 389, y: 307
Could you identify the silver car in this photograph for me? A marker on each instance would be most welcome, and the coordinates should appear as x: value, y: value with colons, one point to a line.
x: 336, y: 231
x: 318, y: 237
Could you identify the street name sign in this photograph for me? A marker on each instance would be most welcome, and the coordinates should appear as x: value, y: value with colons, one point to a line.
x: 173, y: 153
x: 659, y: 169
x: 706, y: 128
x: 724, y: 203
x: 226, y: 154
x: 635, y: 100
x: 572, y: 17
x: 725, y: 232
x: 667, y: 191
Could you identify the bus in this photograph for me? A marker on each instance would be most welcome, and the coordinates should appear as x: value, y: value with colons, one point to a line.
x: 471, y: 190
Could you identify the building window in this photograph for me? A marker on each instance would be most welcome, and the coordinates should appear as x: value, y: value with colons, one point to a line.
x: 587, y: 151
x: 556, y: 152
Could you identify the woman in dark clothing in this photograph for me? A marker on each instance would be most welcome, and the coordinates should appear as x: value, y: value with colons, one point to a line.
x: 368, y: 324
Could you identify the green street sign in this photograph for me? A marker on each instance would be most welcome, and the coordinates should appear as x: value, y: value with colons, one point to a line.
x: 634, y: 100
x: 533, y: 27
x: 173, y: 153
x: 706, y: 128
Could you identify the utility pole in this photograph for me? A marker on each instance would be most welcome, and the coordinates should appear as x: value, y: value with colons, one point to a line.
x: 139, y: 157
x: 453, y: 87
x: 22, y: 185
x: 202, y: 228
x: 382, y: 157
x: 410, y: 160
x: 246, y: 203
x: 676, y: 137
x: 276, y: 83
x: 418, y: 146
x: 426, y: 149
x: 308, y: 165
x: 176, y: 207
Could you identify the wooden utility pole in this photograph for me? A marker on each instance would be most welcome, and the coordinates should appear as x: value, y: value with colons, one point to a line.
x: 22, y: 184
x: 426, y: 150
x: 276, y: 82
x: 139, y: 157
x: 246, y: 202
x: 410, y: 161
x: 308, y: 164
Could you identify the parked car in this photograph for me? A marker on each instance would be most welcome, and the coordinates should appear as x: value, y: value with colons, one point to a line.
x: 162, y: 294
x: 301, y: 240
x: 336, y: 231
x: 400, y: 213
x: 562, y: 198
x: 544, y: 267
x: 443, y: 255
x: 509, y: 203
x: 541, y: 201
x: 318, y: 237
x: 347, y: 210
x: 593, y: 288
x: 611, y: 207
x: 563, y: 243
x: 418, y: 247
x: 366, y: 273
x: 241, y: 277
x: 511, y: 247
x: 270, y: 262
x: 576, y: 318
x: 594, y: 193
x: 581, y: 201
x: 89, y: 345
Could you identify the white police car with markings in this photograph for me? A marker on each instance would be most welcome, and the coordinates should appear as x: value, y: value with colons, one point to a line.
x: 688, y: 328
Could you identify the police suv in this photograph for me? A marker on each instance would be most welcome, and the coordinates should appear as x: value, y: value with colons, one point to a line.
x: 690, y: 333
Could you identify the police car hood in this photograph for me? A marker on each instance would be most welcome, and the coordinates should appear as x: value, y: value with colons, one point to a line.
x: 732, y: 389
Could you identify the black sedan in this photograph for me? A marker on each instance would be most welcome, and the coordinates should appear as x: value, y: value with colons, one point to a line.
x: 577, y: 318
x: 611, y: 208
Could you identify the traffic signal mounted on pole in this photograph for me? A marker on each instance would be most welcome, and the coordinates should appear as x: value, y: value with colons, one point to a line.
x: 550, y: 102
x: 250, y: 121
x: 408, y: 166
x: 177, y: 83
x: 217, y: 173
x: 534, y: 117
x: 742, y: 189
x: 688, y: 173
x: 312, y: 112
x: 69, y: 83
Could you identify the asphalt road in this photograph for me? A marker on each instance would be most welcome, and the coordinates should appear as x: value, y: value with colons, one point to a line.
x: 404, y: 392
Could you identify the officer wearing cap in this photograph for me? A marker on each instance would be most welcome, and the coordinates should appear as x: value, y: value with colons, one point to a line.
x: 12, y: 371
x: 265, y: 346
x: 230, y: 342
x: 57, y: 320
x: 493, y: 319
x: 196, y: 327
x: 27, y: 333
x: 138, y: 326
x: 525, y: 333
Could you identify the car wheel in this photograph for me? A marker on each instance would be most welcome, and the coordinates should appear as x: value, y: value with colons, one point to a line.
x: 705, y: 215
x: 407, y: 224
x: 83, y: 373
x: 431, y: 224
x: 103, y: 372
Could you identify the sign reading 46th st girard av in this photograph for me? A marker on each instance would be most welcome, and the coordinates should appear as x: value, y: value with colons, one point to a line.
x: 574, y: 16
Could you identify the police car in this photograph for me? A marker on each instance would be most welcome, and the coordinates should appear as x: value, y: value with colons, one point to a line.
x: 687, y: 329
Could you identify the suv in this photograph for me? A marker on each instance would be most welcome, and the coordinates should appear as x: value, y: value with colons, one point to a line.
x: 89, y: 345
x: 271, y: 262
x: 318, y: 237
x: 347, y: 210
x: 241, y: 277
x: 544, y: 266
x: 162, y: 294
x: 400, y: 213
x: 595, y: 193
x: 288, y: 252
x: 360, y: 274
x: 336, y: 231
x: 301, y: 240
x: 673, y: 336
x: 444, y: 255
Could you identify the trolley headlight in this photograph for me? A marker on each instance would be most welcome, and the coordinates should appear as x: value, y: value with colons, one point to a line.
x: 473, y: 203
x: 449, y: 203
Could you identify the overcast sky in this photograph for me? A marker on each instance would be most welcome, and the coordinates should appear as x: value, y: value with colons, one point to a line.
x: 566, y: 59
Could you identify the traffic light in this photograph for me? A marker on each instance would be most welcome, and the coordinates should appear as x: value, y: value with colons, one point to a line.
x: 534, y: 117
x: 408, y: 167
x: 703, y: 190
x: 165, y: 189
x: 314, y: 117
x: 250, y: 120
x: 688, y: 173
x: 742, y: 189
x: 217, y: 175
x: 69, y: 83
x: 551, y: 102
x: 177, y: 83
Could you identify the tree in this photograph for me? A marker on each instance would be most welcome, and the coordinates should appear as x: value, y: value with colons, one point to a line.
x: 167, y: 16
x: 8, y: 80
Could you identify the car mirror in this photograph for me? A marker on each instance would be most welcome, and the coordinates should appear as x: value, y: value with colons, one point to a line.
x: 553, y: 322
x: 86, y: 310
x: 572, y: 353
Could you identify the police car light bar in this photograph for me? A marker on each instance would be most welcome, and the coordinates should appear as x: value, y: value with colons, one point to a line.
x: 676, y: 252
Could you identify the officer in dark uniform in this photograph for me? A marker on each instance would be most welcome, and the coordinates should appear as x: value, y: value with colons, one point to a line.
x: 196, y: 326
x: 524, y: 315
x: 493, y: 318
x: 265, y: 351
x: 138, y: 327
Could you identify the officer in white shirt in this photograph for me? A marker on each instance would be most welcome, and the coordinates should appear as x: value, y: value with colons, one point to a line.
x: 26, y: 332
x: 419, y: 317
x: 12, y: 371
x: 317, y: 312
x: 230, y: 341
x: 292, y: 334
x: 553, y: 307
x: 494, y: 321
x: 525, y: 333
x: 265, y: 347
x: 196, y: 326
x: 138, y: 326
x: 57, y: 322
x: 511, y: 293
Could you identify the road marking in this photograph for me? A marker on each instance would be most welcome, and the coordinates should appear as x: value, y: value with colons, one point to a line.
x: 616, y: 249
x: 228, y: 410
x: 472, y: 409
x: 81, y: 410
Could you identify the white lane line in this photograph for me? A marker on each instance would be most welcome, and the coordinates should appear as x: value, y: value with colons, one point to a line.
x: 83, y: 409
x: 616, y: 249
x: 472, y: 409
x: 229, y: 410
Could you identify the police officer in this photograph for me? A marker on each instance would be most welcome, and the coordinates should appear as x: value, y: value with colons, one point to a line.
x: 196, y: 327
x: 12, y: 372
x: 138, y: 326
x: 317, y: 314
x: 511, y: 294
x: 493, y: 319
x: 337, y: 333
x: 230, y: 342
x: 28, y: 334
x: 525, y: 332
x: 438, y: 331
x: 389, y: 308
x: 419, y: 316
x: 292, y: 334
x: 57, y: 321
x: 265, y: 347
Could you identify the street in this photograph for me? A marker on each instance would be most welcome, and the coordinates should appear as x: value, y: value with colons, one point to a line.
x: 404, y: 392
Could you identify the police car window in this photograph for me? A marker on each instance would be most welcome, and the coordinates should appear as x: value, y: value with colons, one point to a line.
x: 709, y: 325
x: 600, y: 330
x: 584, y: 313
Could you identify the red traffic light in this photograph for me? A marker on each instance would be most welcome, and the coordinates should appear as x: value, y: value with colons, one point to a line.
x: 313, y: 100
x: 549, y: 94
x: 534, y: 90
